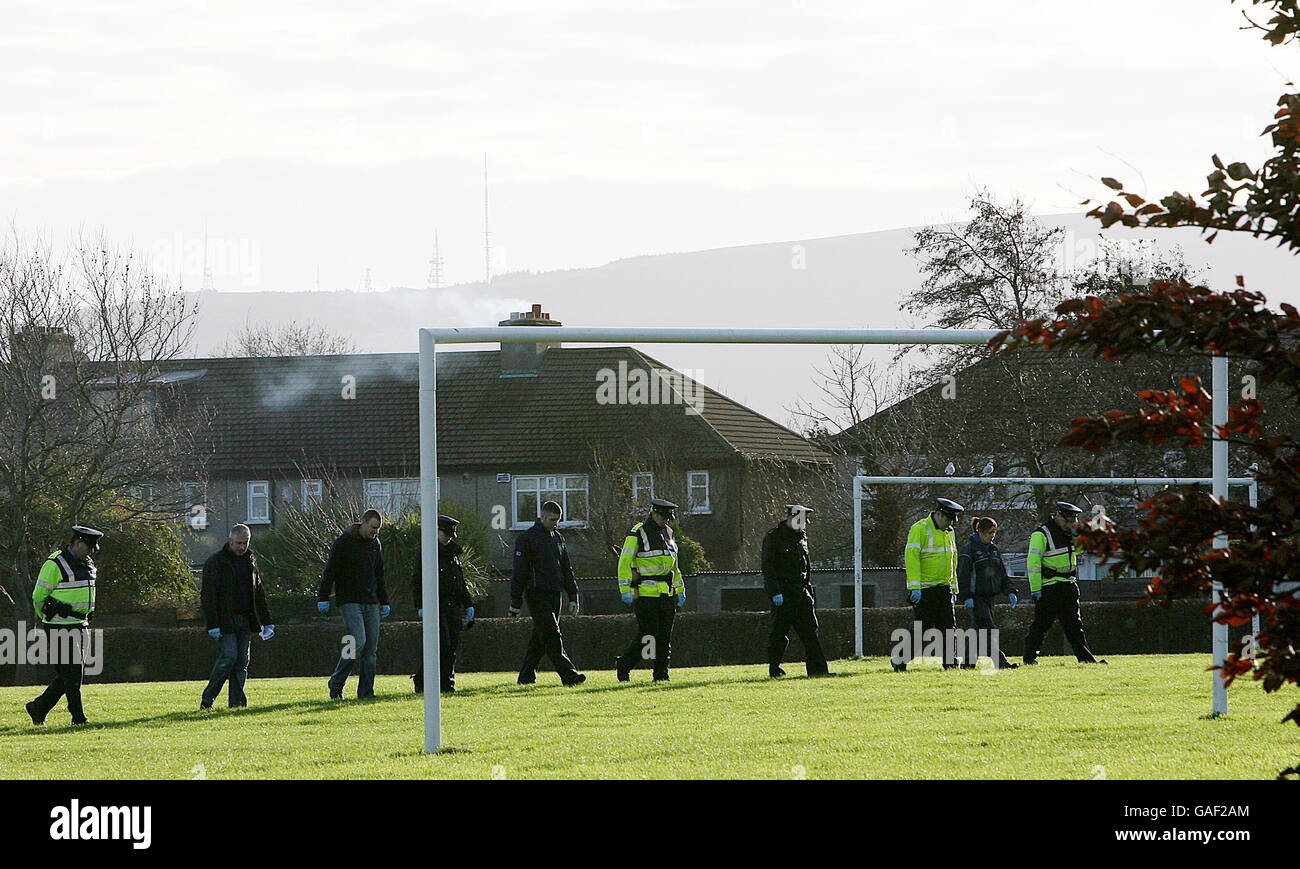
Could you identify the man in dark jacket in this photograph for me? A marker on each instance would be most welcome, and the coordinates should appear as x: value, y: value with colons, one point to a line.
x: 981, y: 576
x: 355, y: 571
x: 787, y: 578
x: 453, y: 601
x: 234, y: 608
x: 542, y: 572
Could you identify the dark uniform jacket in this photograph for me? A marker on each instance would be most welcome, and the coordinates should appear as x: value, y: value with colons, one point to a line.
x: 541, y: 562
x: 786, y: 568
x: 355, y: 570
x: 452, y: 591
x: 220, y: 591
x: 980, y: 570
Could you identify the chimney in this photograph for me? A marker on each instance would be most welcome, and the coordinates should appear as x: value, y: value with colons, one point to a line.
x: 524, y: 359
x: 48, y: 344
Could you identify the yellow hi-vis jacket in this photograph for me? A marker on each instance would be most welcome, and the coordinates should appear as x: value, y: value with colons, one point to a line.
x: 931, y: 556
x: 1051, y: 558
x: 648, y: 563
x: 58, y: 580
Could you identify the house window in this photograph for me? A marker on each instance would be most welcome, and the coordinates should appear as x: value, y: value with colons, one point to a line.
x: 697, y: 492
x: 569, y: 491
x: 196, y: 506
x: 393, y: 498
x: 259, y: 502
x: 313, y: 493
x: 643, y: 488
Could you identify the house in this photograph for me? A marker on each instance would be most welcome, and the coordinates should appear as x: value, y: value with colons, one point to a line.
x: 516, y: 426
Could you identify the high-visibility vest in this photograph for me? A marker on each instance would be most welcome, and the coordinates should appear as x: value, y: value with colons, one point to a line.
x: 654, y: 562
x: 58, y: 580
x: 1050, y: 560
x: 931, y: 556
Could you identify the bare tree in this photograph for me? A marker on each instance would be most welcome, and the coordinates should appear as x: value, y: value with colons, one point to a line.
x: 86, y: 414
x: 285, y: 339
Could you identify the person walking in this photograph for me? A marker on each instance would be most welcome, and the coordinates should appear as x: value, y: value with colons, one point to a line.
x: 650, y: 581
x: 234, y: 608
x: 64, y: 599
x: 981, y: 577
x: 542, y: 573
x: 454, y: 602
x: 787, y: 578
x: 355, y: 574
x: 1053, y: 567
x: 930, y: 559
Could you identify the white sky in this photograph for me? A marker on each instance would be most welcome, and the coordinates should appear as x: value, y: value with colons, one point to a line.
x: 342, y: 136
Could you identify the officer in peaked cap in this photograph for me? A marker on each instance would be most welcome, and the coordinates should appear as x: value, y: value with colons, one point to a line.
x: 64, y: 599
x: 930, y: 559
x: 650, y: 581
x: 454, y: 601
x: 787, y: 578
x: 1053, y: 568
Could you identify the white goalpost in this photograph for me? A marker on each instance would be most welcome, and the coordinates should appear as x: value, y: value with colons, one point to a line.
x: 430, y: 338
x: 1219, y: 704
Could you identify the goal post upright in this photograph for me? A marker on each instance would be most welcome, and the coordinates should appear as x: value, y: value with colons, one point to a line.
x: 430, y: 338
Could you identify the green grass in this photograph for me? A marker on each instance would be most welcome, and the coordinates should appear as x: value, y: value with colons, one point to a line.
x: 1141, y: 717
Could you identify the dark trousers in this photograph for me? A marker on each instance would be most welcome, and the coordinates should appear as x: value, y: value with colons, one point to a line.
x: 796, y: 612
x: 936, y: 611
x: 544, y: 607
x: 982, y: 621
x: 1060, y: 600
x: 68, y: 667
x: 449, y: 629
x: 654, y: 620
x: 232, y: 663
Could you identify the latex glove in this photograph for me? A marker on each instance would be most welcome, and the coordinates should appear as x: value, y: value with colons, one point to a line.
x: 627, y: 598
x: 469, y: 614
x: 215, y: 633
x: 323, y: 606
x: 420, y: 613
x: 970, y: 604
x: 1014, y: 600
x: 1035, y: 594
x: 681, y: 599
x: 384, y: 611
x: 778, y: 599
x: 513, y: 610
x: 573, y: 607
x: 268, y: 631
x: 915, y: 596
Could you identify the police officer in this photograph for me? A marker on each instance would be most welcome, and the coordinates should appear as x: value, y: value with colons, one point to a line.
x: 1053, y: 568
x: 453, y: 601
x: 930, y: 560
x: 787, y: 578
x: 64, y: 598
x: 542, y: 573
x: 650, y: 580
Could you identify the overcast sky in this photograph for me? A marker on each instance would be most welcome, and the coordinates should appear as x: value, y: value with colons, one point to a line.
x: 343, y: 136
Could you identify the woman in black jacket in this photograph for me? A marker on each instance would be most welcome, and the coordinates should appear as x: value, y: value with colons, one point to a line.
x: 981, y: 576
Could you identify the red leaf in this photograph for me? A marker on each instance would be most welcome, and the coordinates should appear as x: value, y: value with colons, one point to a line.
x: 1112, y: 184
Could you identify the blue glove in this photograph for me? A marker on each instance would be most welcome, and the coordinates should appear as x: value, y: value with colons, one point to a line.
x: 573, y: 607
x: 915, y: 596
x: 778, y: 599
x: 469, y: 614
x: 1014, y: 600
x: 420, y: 613
x: 323, y: 606
x: 268, y: 631
x: 215, y: 633
x: 1035, y: 594
x: 970, y: 604
x: 384, y: 611
x: 681, y: 600
x: 627, y: 598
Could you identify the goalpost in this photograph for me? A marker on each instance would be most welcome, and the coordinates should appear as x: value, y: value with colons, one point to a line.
x: 1219, y: 704
x: 430, y: 338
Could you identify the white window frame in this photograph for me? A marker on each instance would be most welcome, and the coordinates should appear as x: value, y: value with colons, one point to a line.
x: 313, y: 494
x: 405, y: 489
x: 638, y: 489
x: 539, y: 483
x: 264, y: 518
x: 693, y: 508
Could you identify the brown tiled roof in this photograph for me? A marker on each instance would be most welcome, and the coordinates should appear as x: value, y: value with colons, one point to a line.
x: 270, y: 412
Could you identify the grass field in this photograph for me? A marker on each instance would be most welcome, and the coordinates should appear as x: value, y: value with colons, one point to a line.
x: 1141, y: 717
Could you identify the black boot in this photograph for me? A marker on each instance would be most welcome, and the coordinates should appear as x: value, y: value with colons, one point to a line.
x: 624, y: 673
x: 34, y: 714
